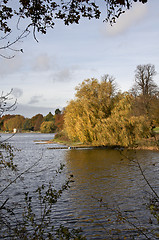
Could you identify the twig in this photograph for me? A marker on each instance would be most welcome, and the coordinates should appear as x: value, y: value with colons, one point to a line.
x: 21, y: 174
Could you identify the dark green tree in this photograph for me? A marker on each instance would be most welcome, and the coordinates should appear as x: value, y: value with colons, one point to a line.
x: 47, y: 127
x: 49, y: 117
x: 57, y: 111
x: 27, y: 125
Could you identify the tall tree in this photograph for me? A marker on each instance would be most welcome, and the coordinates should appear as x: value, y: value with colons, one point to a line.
x: 145, y: 90
x: 36, y: 121
x: 144, y: 75
x: 101, y: 117
x: 94, y: 101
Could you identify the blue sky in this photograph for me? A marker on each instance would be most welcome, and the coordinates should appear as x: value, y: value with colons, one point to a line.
x: 44, y: 77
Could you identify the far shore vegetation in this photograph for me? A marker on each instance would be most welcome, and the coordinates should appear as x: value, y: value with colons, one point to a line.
x: 101, y: 115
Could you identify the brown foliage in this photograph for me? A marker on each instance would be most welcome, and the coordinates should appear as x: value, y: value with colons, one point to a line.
x: 3, y: 119
x: 59, y: 121
x: 36, y: 122
x: 15, y: 122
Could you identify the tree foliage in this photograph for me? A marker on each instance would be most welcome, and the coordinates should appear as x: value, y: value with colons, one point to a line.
x: 27, y: 125
x: 39, y: 15
x: 100, y: 116
x: 3, y: 119
x: 42, y: 13
x: 59, y: 121
x: 57, y: 111
x: 121, y: 128
x: 49, y: 117
x: 47, y: 127
x: 93, y: 101
x: 49, y: 123
x: 15, y: 122
x: 36, y: 122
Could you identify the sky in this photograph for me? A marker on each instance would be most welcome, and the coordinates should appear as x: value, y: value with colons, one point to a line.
x: 45, y: 75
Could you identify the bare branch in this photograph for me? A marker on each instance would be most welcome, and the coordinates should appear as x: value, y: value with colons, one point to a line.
x: 34, y: 164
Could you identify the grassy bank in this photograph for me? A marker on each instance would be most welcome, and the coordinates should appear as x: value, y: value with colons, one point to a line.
x: 156, y: 130
x: 147, y: 144
x: 62, y: 139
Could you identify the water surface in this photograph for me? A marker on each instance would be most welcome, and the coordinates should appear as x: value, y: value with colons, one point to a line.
x: 106, y: 183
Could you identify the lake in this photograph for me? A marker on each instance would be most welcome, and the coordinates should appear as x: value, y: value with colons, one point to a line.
x: 107, y: 183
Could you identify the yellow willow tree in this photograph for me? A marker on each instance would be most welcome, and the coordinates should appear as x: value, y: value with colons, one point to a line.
x: 101, y: 117
x: 94, y: 101
x: 121, y: 127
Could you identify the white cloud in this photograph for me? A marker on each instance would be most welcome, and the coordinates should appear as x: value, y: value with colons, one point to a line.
x: 35, y: 99
x: 62, y: 75
x: 126, y: 20
x: 42, y: 63
x: 8, y: 66
x: 17, y: 92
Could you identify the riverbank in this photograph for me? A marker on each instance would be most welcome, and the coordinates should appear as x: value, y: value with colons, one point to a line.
x: 151, y: 144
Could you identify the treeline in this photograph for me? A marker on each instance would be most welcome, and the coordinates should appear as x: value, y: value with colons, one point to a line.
x: 101, y: 114
x: 45, y: 124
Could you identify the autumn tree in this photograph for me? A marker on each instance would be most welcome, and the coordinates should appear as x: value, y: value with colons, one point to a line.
x: 121, y: 127
x: 59, y: 121
x: 3, y: 119
x: 94, y: 101
x: 154, y: 110
x: 100, y: 116
x: 47, y: 127
x: 15, y: 122
x: 36, y: 122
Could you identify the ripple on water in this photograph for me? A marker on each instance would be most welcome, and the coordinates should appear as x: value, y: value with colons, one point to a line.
x: 98, y: 175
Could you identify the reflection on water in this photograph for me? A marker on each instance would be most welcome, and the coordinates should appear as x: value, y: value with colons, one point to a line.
x: 107, y: 175
x: 98, y: 174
